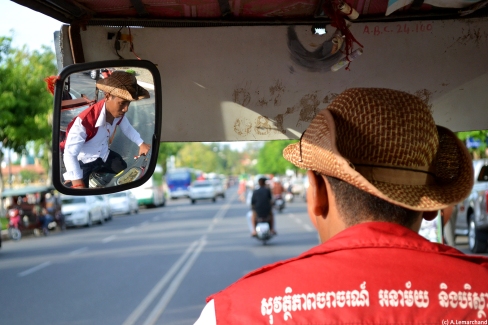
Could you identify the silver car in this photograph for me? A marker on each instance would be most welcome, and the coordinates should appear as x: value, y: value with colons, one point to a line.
x: 203, y: 190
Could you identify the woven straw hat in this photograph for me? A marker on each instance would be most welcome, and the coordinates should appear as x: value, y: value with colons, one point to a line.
x: 124, y: 85
x: 385, y: 142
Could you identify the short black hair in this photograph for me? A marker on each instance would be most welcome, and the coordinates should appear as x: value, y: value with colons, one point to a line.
x: 357, y: 206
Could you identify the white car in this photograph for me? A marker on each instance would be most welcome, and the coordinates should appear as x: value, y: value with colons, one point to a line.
x: 203, y: 190
x: 123, y: 203
x: 219, y: 186
x: 82, y: 210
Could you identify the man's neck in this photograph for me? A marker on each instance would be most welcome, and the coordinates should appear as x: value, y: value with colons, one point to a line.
x: 109, y: 117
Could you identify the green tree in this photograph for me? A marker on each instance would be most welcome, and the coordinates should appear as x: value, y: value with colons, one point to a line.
x: 25, y: 103
x: 199, y: 156
x: 28, y: 176
x: 166, y: 150
x: 481, y: 136
x: 270, y: 158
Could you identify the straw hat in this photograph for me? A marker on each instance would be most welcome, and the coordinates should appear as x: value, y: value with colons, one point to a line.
x: 385, y: 142
x: 124, y: 85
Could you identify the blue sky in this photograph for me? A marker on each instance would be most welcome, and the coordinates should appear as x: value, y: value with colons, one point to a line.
x: 29, y: 27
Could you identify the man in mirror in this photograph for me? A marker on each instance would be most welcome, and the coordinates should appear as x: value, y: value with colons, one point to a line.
x: 88, y: 137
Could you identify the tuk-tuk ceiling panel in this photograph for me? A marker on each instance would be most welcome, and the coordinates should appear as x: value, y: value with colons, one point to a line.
x: 152, y: 13
x: 239, y: 8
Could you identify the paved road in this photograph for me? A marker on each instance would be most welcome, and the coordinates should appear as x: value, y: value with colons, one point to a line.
x: 156, y: 267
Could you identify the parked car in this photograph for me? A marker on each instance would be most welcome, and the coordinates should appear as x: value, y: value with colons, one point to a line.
x: 123, y: 203
x: 99, y: 73
x: 82, y: 210
x: 107, y: 212
x: 470, y: 217
x: 203, y: 190
x: 219, y: 186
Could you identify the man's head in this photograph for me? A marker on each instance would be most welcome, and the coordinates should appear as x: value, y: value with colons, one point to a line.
x: 385, y: 143
x: 120, y: 89
x: 262, y: 181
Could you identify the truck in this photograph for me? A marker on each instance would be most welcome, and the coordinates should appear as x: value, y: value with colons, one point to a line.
x: 470, y: 217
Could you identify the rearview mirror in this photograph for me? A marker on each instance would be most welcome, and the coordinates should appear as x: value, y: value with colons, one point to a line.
x: 106, y: 126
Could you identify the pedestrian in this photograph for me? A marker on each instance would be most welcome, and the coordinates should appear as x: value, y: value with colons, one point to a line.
x: 377, y: 165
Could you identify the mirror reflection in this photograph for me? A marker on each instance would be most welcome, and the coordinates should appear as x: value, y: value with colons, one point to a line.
x: 107, y: 123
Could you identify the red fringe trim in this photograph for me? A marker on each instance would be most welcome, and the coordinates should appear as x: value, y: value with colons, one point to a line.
x: 50, y: 82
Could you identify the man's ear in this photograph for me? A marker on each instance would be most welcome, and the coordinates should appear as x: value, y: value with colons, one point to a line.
x: 317, y: 200
x: 429, y: 215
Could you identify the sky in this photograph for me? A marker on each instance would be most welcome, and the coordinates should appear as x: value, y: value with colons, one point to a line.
x: 30, y: 27
x: 33, y: 29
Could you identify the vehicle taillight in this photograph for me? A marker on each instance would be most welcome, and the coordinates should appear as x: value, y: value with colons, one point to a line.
x: 461, y: 207
x: 486, y: 201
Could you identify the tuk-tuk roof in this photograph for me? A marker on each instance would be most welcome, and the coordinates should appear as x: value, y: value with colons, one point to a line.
x: 26, y: 190
x: 157, y: 13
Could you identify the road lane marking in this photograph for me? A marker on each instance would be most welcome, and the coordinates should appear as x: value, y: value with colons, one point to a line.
x: 144, y: 223
x: 132, y: 319
x: 175, y: 284
x: 34, y: 269
x: 195, y: 249
x: 308, y: 228
x: 108, y: 239
x: 79, y: 251
x: 129, y: 230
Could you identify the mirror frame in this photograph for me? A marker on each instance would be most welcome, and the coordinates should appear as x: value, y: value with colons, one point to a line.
x: 56, y: 164
x: 483, y: 175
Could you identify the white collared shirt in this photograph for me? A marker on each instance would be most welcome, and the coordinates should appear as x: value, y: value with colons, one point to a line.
x: 77, y: 148
x: 207, y: 317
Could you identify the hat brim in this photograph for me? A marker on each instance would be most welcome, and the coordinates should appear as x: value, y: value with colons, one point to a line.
x: 317, y: 151
x: 123, y: 92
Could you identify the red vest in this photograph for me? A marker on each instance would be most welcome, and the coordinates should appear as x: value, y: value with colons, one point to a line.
x: 372, y: 273
x: 88, y: 118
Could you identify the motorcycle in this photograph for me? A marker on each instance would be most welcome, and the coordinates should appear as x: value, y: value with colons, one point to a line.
x: 279, y: 203
x: 14, y: 224
x: 263, y: 231
x: 133, y: 172
x: 16, y: 227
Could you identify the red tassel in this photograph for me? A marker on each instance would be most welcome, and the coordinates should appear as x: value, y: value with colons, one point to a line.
x: 50, y: 82
x: 331, y: 8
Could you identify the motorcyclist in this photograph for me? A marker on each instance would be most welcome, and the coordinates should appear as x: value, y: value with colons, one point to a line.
x: 277, y: 190
x: 261, y: 203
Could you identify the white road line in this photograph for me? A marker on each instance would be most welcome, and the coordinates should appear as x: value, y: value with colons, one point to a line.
x: 175, y: 283
x: 34, y: 269
x: 108, y: 239
x: 309, y: 228
x: 166, y: 298
x: 79, y: 251
x: 144, y: 223
x: 132, y: 319
x: 129, y: 230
